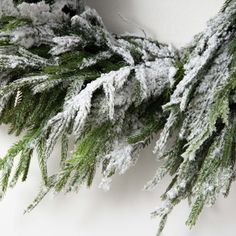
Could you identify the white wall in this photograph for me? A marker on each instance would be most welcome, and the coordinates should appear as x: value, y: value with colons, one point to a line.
x: 125, y: 209
x: 172, y: 21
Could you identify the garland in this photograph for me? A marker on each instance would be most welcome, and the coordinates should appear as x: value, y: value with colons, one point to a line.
x: 65, y: 78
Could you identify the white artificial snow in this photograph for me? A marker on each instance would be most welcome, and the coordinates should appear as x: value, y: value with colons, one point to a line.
x: 78, y: 107
x: 7, y: 7
x: 87, y: 62
x: 64, y: 44
x: 28, y: 37
x: 120, y: 160
x: 39, y: 13
x: 109, y: 96
x: 209, y: 42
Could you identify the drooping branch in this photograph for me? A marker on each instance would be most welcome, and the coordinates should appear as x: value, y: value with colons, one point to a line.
x: 63, y: 76
x: 202, y: 112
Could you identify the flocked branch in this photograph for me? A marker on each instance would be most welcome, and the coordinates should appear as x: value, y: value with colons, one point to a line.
x: 65, y: 78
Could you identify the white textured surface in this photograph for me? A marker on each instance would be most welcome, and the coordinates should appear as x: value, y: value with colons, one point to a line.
x: 125, y: 209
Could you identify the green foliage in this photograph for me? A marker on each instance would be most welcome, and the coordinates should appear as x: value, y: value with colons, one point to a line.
x: 103, y: 97
x: 152, y: 122
x: 35, y: 95
x: 23, y: 149
x: 4, y: 42
x: 42, y: 51
x: 201, y: 158
x: 8, y: 23
x: 44, y: 190
x: 162, y: 225
x: 84, y: 160
x: 196, y: 210
x: 226, y: 4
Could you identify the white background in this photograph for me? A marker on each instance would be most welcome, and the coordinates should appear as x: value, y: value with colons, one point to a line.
x: 124, y: 211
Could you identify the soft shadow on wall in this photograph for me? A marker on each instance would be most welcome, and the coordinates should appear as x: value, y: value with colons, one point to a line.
x: 169, y: 21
